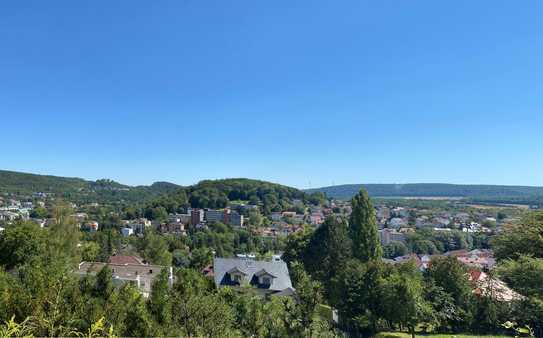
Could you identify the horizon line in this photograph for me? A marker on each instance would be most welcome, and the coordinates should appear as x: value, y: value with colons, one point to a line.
x: 260, y: 179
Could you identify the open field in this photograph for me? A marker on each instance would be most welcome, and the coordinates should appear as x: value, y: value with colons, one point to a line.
x: 502, y: 206
x: 451, y: 335
x: 428, y: 198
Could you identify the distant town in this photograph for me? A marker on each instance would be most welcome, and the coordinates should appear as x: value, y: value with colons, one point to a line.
x: 266, y: 242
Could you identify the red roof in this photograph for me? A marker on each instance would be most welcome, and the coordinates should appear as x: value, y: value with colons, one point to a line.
x: 119, y: 259
x: 474, y: 275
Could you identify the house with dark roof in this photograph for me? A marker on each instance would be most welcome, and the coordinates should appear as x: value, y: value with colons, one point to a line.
x: 267, y: 278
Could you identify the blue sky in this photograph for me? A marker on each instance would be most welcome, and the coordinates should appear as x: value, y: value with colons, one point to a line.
x: 305, y: 93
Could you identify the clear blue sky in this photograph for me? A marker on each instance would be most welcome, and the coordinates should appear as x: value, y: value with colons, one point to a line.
x: 305, y: 93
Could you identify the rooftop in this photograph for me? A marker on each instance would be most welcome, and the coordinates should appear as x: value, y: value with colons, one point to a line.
x: 252, y: 269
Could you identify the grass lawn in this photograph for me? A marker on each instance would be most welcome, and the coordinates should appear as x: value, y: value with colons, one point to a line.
x: 407, y: 335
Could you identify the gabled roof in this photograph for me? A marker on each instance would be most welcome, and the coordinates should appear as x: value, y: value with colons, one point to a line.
x: 264, y: 272
x: 252, y: 269
x: 484, y: 285
x: 237, y: 269
x: 120, y: 259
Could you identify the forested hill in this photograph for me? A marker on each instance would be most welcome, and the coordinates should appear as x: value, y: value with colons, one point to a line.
x: 483, y: 193
x: 218, y: 193
x: 205, y: 194
x: 78, y: 189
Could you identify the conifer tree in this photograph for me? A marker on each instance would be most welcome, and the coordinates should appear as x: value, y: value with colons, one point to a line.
x: 363, y: 227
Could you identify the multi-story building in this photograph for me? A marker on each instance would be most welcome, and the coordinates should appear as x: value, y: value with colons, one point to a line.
x: 179, y: 218
x: 196, y: 216
x: 216, y: 216
x: 173, y: 228
x: 138, y: 225
x: 235, y: 219
x: 389, y: 235
x: 316, y: 218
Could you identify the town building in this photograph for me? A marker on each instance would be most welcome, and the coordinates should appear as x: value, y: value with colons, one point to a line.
x: 397, y: 223
x: 128, y: 269
x: 316, y: 218
x: 138, y: 225
x: 267, y: 278
x: 91, y: 226
x: 390, y: 235
x: 215, y: 216
x: 179, y: 218
x: 196, y: 216
x: 127, y: 232
x: 276, y: 216
x: 235, y: 219
x: 486, y: 286
x: 177, y: 228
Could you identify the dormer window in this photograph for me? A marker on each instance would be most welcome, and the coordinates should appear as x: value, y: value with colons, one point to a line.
x: 265, y: 278
x: 236, y: 275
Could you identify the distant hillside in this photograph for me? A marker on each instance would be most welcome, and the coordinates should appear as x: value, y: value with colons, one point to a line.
x: 205, y: 194
x: 78, y: 189
x: 482, y: 193
x: 218, y: 193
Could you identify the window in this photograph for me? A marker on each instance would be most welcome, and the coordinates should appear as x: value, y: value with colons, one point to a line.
x: 150, y: 271
x: 266, y: 280
x: 237, y: 278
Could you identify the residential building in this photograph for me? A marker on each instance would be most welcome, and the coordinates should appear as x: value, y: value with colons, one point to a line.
x: 8, y: 216
x: 316, y: 218
x: 400, y: 212
x: 196, y: 216
x: 127, y: 232
x: 484, y: 285
x: 173, y: 228
x: 90, y: 226
x: 289, y: 213
x: 215, y: 216
x: 390, y: 235
x: 397, y: 222
x: 235, y: 219
x: 128, y: 269
x: 267, y: 278
x: 138, y: 225
x: 179, y: 218
x: 276, y: 216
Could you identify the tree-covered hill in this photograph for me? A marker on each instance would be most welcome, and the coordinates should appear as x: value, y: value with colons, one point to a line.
x: 79, y: 190
x: 24, y: 183
x: 205, y: 194
x: 482, y: 193
x: 218, y: 193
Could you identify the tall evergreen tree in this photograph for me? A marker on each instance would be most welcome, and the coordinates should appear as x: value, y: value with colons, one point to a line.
x: 328, y: 251
x: 363, y: 227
